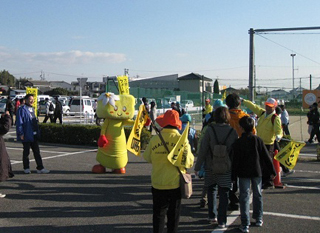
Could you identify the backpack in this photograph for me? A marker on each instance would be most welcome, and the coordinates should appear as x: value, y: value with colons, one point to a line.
x: 51, y: 107
x: 272, y: 117
x: 221, y: 162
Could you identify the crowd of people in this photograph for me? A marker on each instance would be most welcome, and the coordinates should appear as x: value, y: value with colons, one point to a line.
x: 234, y: 155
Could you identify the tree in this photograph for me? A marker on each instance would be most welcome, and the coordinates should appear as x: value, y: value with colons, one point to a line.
x: 216, y: 87
x: 7, y: 79
x: 57, y: 91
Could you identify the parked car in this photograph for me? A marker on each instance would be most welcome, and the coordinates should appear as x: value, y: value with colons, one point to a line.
x: 187, y: 104
x: 86, y: 103
x: 3, y: 104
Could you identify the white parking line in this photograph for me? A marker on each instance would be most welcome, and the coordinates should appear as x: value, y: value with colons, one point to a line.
x: 292, y: 216
x: 57, y: 156
x: 45, y: 151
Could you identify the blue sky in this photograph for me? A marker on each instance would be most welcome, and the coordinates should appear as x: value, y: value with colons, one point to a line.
x: 67, y: 39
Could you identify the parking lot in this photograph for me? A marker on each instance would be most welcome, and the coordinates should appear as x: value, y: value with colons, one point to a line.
x: 72, y: 199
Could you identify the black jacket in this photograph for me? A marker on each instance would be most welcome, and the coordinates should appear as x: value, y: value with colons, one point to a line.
x: 249, y: 156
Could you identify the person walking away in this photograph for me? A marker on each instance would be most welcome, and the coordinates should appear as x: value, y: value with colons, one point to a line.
x: 153, y: 113
x: 165, y: 177
x: 249, y: 153
x: 5, y: 164
x: 234, y: 104
x: 309, y: 123
x: 268, y: 129
x: 10, y: 108
x: 313, y: 120
x: 58, y: 111
x: 49, y: 111
x: 192, y: 137
x: 28, y: 133
x: 284, y: 118
x: 217, y: 134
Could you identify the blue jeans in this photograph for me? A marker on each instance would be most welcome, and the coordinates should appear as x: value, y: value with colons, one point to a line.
x: 244, y: 187
x: 223, y: 205
x: 212, y: 201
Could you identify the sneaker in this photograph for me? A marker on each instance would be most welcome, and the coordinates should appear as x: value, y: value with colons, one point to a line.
x: 221, y: 226
x: 288, y: 173
x: 259, y: 223
x: 212, y: 220
x: 267, y: 186
x: 203, y: 203
x: 43, y: 171
x: 2, y: 195
x: 244, y: 228
x: 27, y: 171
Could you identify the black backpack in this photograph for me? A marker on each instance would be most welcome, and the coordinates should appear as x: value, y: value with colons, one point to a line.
x: 51, y: 107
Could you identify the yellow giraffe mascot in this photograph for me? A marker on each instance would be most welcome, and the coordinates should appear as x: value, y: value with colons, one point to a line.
x: 117, y: 110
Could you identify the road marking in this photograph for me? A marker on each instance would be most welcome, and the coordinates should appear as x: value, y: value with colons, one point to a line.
x: 45, y: 151
x: 292, y: 216
x: 57, y: 156
x: 302, y: 187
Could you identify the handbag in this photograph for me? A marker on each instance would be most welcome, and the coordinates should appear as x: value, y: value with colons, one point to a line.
x: 185, y: 185
x: 185, y: 179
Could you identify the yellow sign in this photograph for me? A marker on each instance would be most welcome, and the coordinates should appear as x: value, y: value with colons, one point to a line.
x: 123, y: 84
x: 34, y: 92
x: 288, y: 156
x: 134, y: 143
x: 178, y: 155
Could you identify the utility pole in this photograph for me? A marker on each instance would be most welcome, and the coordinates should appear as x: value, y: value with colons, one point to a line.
x: 126, y: 72
x: 293, y: 55
x: 310, y: 82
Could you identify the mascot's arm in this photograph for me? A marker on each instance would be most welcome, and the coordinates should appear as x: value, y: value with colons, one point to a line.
x: 128, y: 122
x: 103, y: 141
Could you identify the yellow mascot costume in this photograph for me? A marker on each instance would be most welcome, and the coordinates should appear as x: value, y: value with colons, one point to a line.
x: 117, y: 110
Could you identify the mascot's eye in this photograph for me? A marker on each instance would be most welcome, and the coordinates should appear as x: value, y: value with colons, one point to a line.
x: 115, y: 108
x: 124, y: 109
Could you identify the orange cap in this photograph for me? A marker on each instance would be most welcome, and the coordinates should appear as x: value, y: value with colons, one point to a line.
x: 170, y: 117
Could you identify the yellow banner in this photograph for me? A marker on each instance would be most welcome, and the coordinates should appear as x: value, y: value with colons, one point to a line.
x: 178, y: 155
x: 123, y: 84
x: 34, y: 92
x: 288, y: 156
x: 134, y: 143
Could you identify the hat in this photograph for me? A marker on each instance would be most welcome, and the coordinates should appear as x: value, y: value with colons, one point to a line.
x: 271, y: 102
x: 208, y: 100
x: 218, y: 103
x: 281, y: 102
x: 170, y: 117
x: 185, y: 118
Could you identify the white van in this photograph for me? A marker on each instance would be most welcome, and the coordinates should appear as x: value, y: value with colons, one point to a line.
x: 86, y: 105
x: 43, y: 97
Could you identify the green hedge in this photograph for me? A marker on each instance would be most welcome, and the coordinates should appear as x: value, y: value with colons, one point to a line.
x: 80, y: 134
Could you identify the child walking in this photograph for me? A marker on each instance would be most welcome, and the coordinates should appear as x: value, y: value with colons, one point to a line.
x: 249, y: 156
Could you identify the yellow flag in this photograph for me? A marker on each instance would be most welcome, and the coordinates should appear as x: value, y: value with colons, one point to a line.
x: 123, y: 84
x: 288, y: 156
x: 134, y: 143
x: 33, y: 91
x: 224, y: 96
x: 178, y: 155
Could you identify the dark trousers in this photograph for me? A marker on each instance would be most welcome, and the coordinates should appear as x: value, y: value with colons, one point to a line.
x: 266, y: 180
x: 223, y: 205
x: 166, y: 202
x: 49, y: 116
x: 315, y: 131
x: 285, y: 128
x: 36, y: 153
x: 58, y: 116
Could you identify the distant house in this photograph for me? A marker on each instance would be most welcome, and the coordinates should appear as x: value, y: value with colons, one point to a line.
x: 195, y: 83
x: 42, y: 85
x: 279, y: 94
x: 61, y: 84
x: 168, y: 82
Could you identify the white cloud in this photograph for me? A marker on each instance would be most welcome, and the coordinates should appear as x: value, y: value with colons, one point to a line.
x: 74, y: 57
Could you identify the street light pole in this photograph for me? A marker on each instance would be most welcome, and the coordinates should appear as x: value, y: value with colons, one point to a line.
x: 293, y: 55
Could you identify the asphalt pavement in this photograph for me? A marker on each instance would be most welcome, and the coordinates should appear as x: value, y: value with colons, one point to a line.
x: 72, y: 199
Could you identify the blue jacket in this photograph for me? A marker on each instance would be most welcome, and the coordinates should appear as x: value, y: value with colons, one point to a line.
x: 24, y: 124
